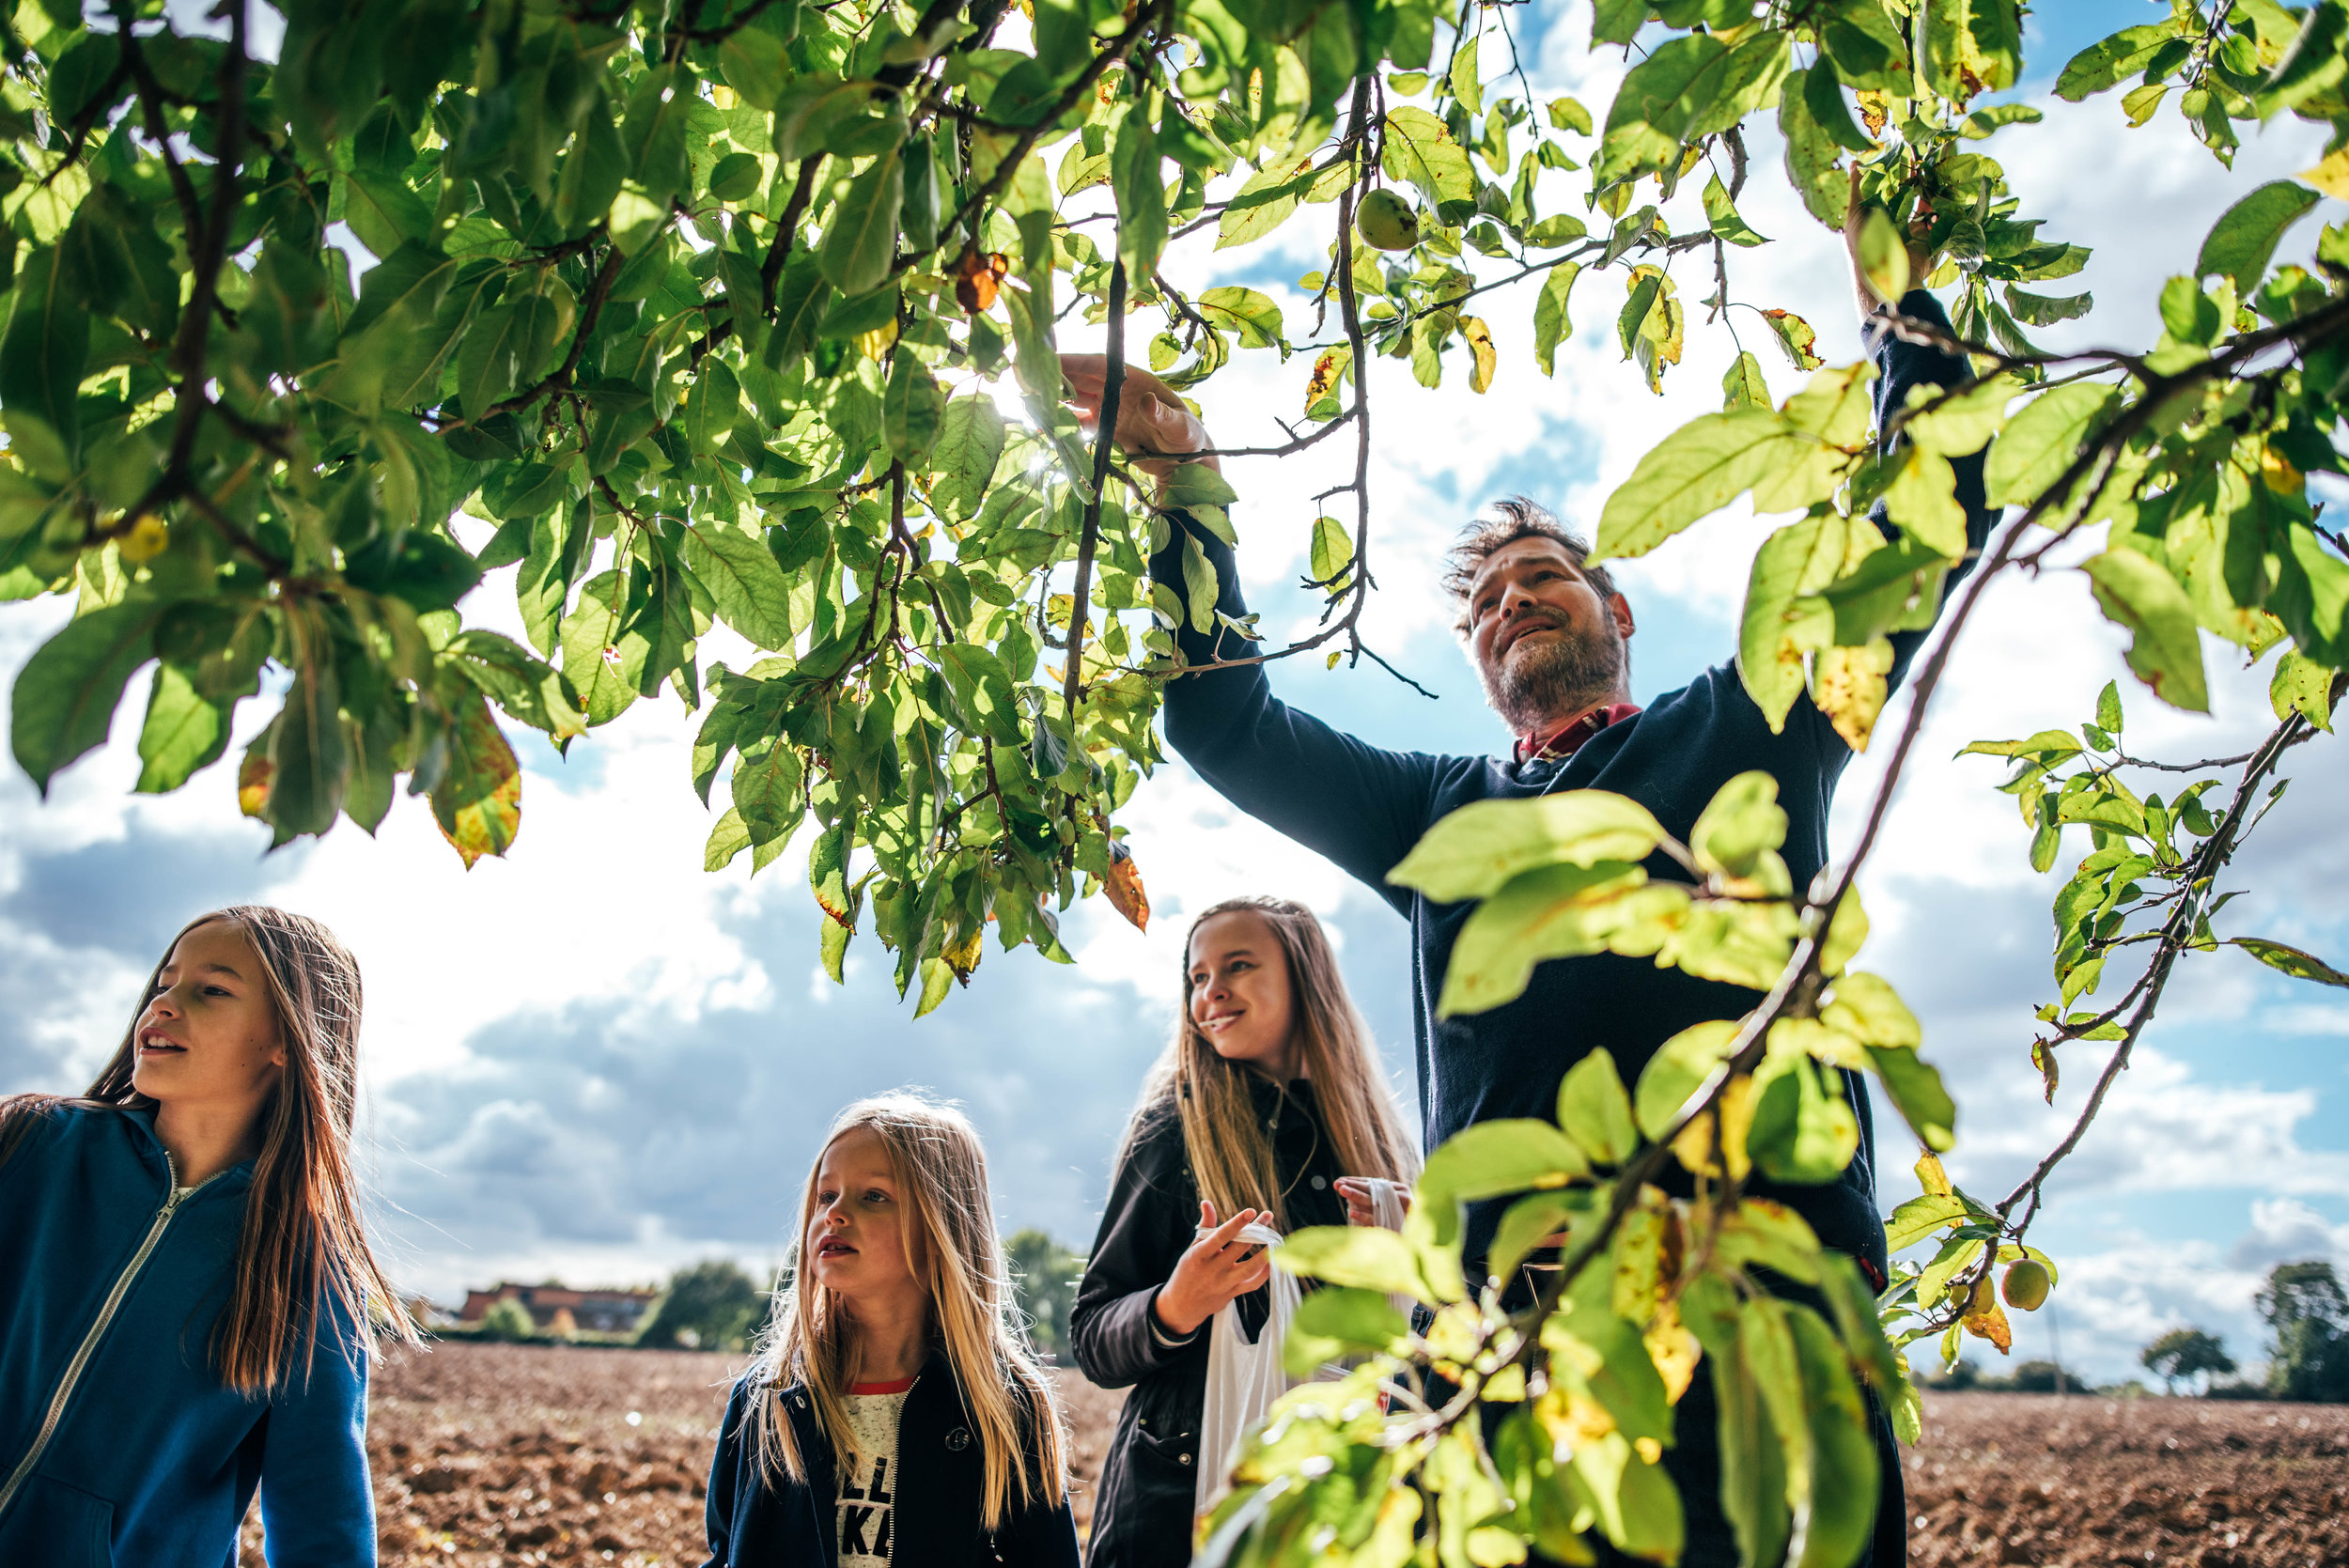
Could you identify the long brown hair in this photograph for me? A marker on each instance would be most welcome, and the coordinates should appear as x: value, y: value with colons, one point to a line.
x: 1231, y: 1156
x: 949, y: 1241
x: 304, y: 1253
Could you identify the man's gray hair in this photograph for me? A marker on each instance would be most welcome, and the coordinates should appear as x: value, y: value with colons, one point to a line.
x: 1502, y: 525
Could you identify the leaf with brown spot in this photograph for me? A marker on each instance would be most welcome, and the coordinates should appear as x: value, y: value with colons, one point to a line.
x: 254, y: 776
x: 1480, y: 341
x: 1849, y: 686
x: 478, y: 801
x: 1992, y: 1325
x: 1123, y: 886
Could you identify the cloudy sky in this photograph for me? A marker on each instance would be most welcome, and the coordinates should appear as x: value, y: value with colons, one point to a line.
x: 591, y: 1060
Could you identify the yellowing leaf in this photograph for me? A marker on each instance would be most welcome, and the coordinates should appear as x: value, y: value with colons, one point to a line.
x: 1480, y: 341
x: 1849, y: 686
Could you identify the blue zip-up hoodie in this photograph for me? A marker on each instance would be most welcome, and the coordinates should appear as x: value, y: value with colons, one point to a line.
x: 118, y: 1442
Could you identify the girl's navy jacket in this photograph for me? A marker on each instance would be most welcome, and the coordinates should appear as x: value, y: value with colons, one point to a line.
x: 118, y: 1442
x: 939, y: 1480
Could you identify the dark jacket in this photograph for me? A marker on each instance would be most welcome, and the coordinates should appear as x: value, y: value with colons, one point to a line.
x: 152, y: 1460
x: 1141, y: 1517
x: 941, y: 1485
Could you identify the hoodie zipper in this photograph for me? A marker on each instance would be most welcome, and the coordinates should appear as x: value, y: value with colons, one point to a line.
x: 98, y: 1328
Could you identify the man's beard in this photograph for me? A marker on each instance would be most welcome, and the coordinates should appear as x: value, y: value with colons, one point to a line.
x: 1532, y: 685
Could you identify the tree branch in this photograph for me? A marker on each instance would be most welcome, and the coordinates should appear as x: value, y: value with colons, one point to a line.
x: 1112, y: 384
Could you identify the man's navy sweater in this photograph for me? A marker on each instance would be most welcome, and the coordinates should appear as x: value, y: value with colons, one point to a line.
x: 1364, y: 808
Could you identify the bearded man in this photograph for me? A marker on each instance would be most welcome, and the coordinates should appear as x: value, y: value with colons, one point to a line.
x: 1549, y: 633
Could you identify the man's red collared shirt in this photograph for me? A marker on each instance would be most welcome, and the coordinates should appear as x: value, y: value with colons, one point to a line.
x: 1564, y: 741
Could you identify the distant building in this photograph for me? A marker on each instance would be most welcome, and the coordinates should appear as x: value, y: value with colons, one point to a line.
x: 593, y: 1312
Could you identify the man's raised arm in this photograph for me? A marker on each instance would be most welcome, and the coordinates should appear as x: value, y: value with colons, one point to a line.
x: 1361, y: 806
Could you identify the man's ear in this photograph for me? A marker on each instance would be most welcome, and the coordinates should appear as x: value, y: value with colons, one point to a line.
x: 1620, y: 608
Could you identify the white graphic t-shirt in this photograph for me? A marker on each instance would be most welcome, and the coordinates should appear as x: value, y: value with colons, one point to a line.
x: 868, y: 1486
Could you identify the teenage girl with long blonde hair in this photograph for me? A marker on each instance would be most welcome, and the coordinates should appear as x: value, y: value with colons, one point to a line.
x: 896, y: 1414
x: 1269, y: 1104
x: 188, y: 1302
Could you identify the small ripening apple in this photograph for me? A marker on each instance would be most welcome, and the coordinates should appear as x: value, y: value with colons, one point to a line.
x: 1386, y: 222
x: 2027, y: 1284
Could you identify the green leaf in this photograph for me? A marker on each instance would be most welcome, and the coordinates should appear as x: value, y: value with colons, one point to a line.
x: 2300, y: 685
x: 2167, y: 651
x: 2291, y: 960
x: 1758, y: 1231
x: 1263, y: 203
x: 1476, y: 850
x: 2246, y: 235
x: 1742, y: 384
x: 970, y: 444
x: 185, y: 731
x: 2104, y: 63
x: 1678, y: 1069
x: 1554, y: 911
x: 1487, y: 1159
x: 752, y: 594
x: 2042, y: 441
x: 1677, y: 82
x: 384, y: 213
x: 1741, y: 824
x: 1923, y: 500
x: 1812, y: 157
x: 310, y: 754
x: 1884, y: 255
x: 1803, y: 1131
x: 1341, y: 1321
x: 1844, y: 1490
x: 1595, y: 1110
x: 43, y: 352
x: 1528, y: 1223
x: 1362, y: 1256
x: 1551, y: 325
x: 64, y: 700
x: 1915, y: 1088
x: 1783, y: 620
x: 913, y: 408
x: 1920, y: 1217
x: 1823, y: 99
x: 861, y: 244
x: 1248, y: 314
x: 766, y: 791
x: 1331, y: 553
x: 477, y: 801
x: 1698, y: 470
x: 1722, y: 214
x: 1420, y: 151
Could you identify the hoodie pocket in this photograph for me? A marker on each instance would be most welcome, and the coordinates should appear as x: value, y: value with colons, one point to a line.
x: 58, y: 1526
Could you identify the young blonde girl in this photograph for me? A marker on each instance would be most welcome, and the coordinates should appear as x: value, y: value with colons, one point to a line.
x: 187, y: 1298
x: 1268, y: 1105
x: 896, y: 1414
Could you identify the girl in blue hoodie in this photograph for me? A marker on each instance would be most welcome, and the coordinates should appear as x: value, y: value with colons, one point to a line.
x: 187, y: 1298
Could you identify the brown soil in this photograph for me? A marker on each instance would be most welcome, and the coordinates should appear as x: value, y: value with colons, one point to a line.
x: 511, y: 1455
x: 488, y: 1454
x: 2035, y: 1479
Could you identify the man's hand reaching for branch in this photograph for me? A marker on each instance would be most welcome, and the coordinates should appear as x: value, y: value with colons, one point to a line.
x: 1152, y: 418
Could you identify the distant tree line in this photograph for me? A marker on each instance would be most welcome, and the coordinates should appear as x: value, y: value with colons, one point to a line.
x: 2307, y: 1313
x: 715, y: 1305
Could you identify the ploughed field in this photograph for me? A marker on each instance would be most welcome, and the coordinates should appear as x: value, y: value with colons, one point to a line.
x: 507, y: 1455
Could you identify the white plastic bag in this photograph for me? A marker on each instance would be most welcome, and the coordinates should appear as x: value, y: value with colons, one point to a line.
x: 1244, y: 1378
